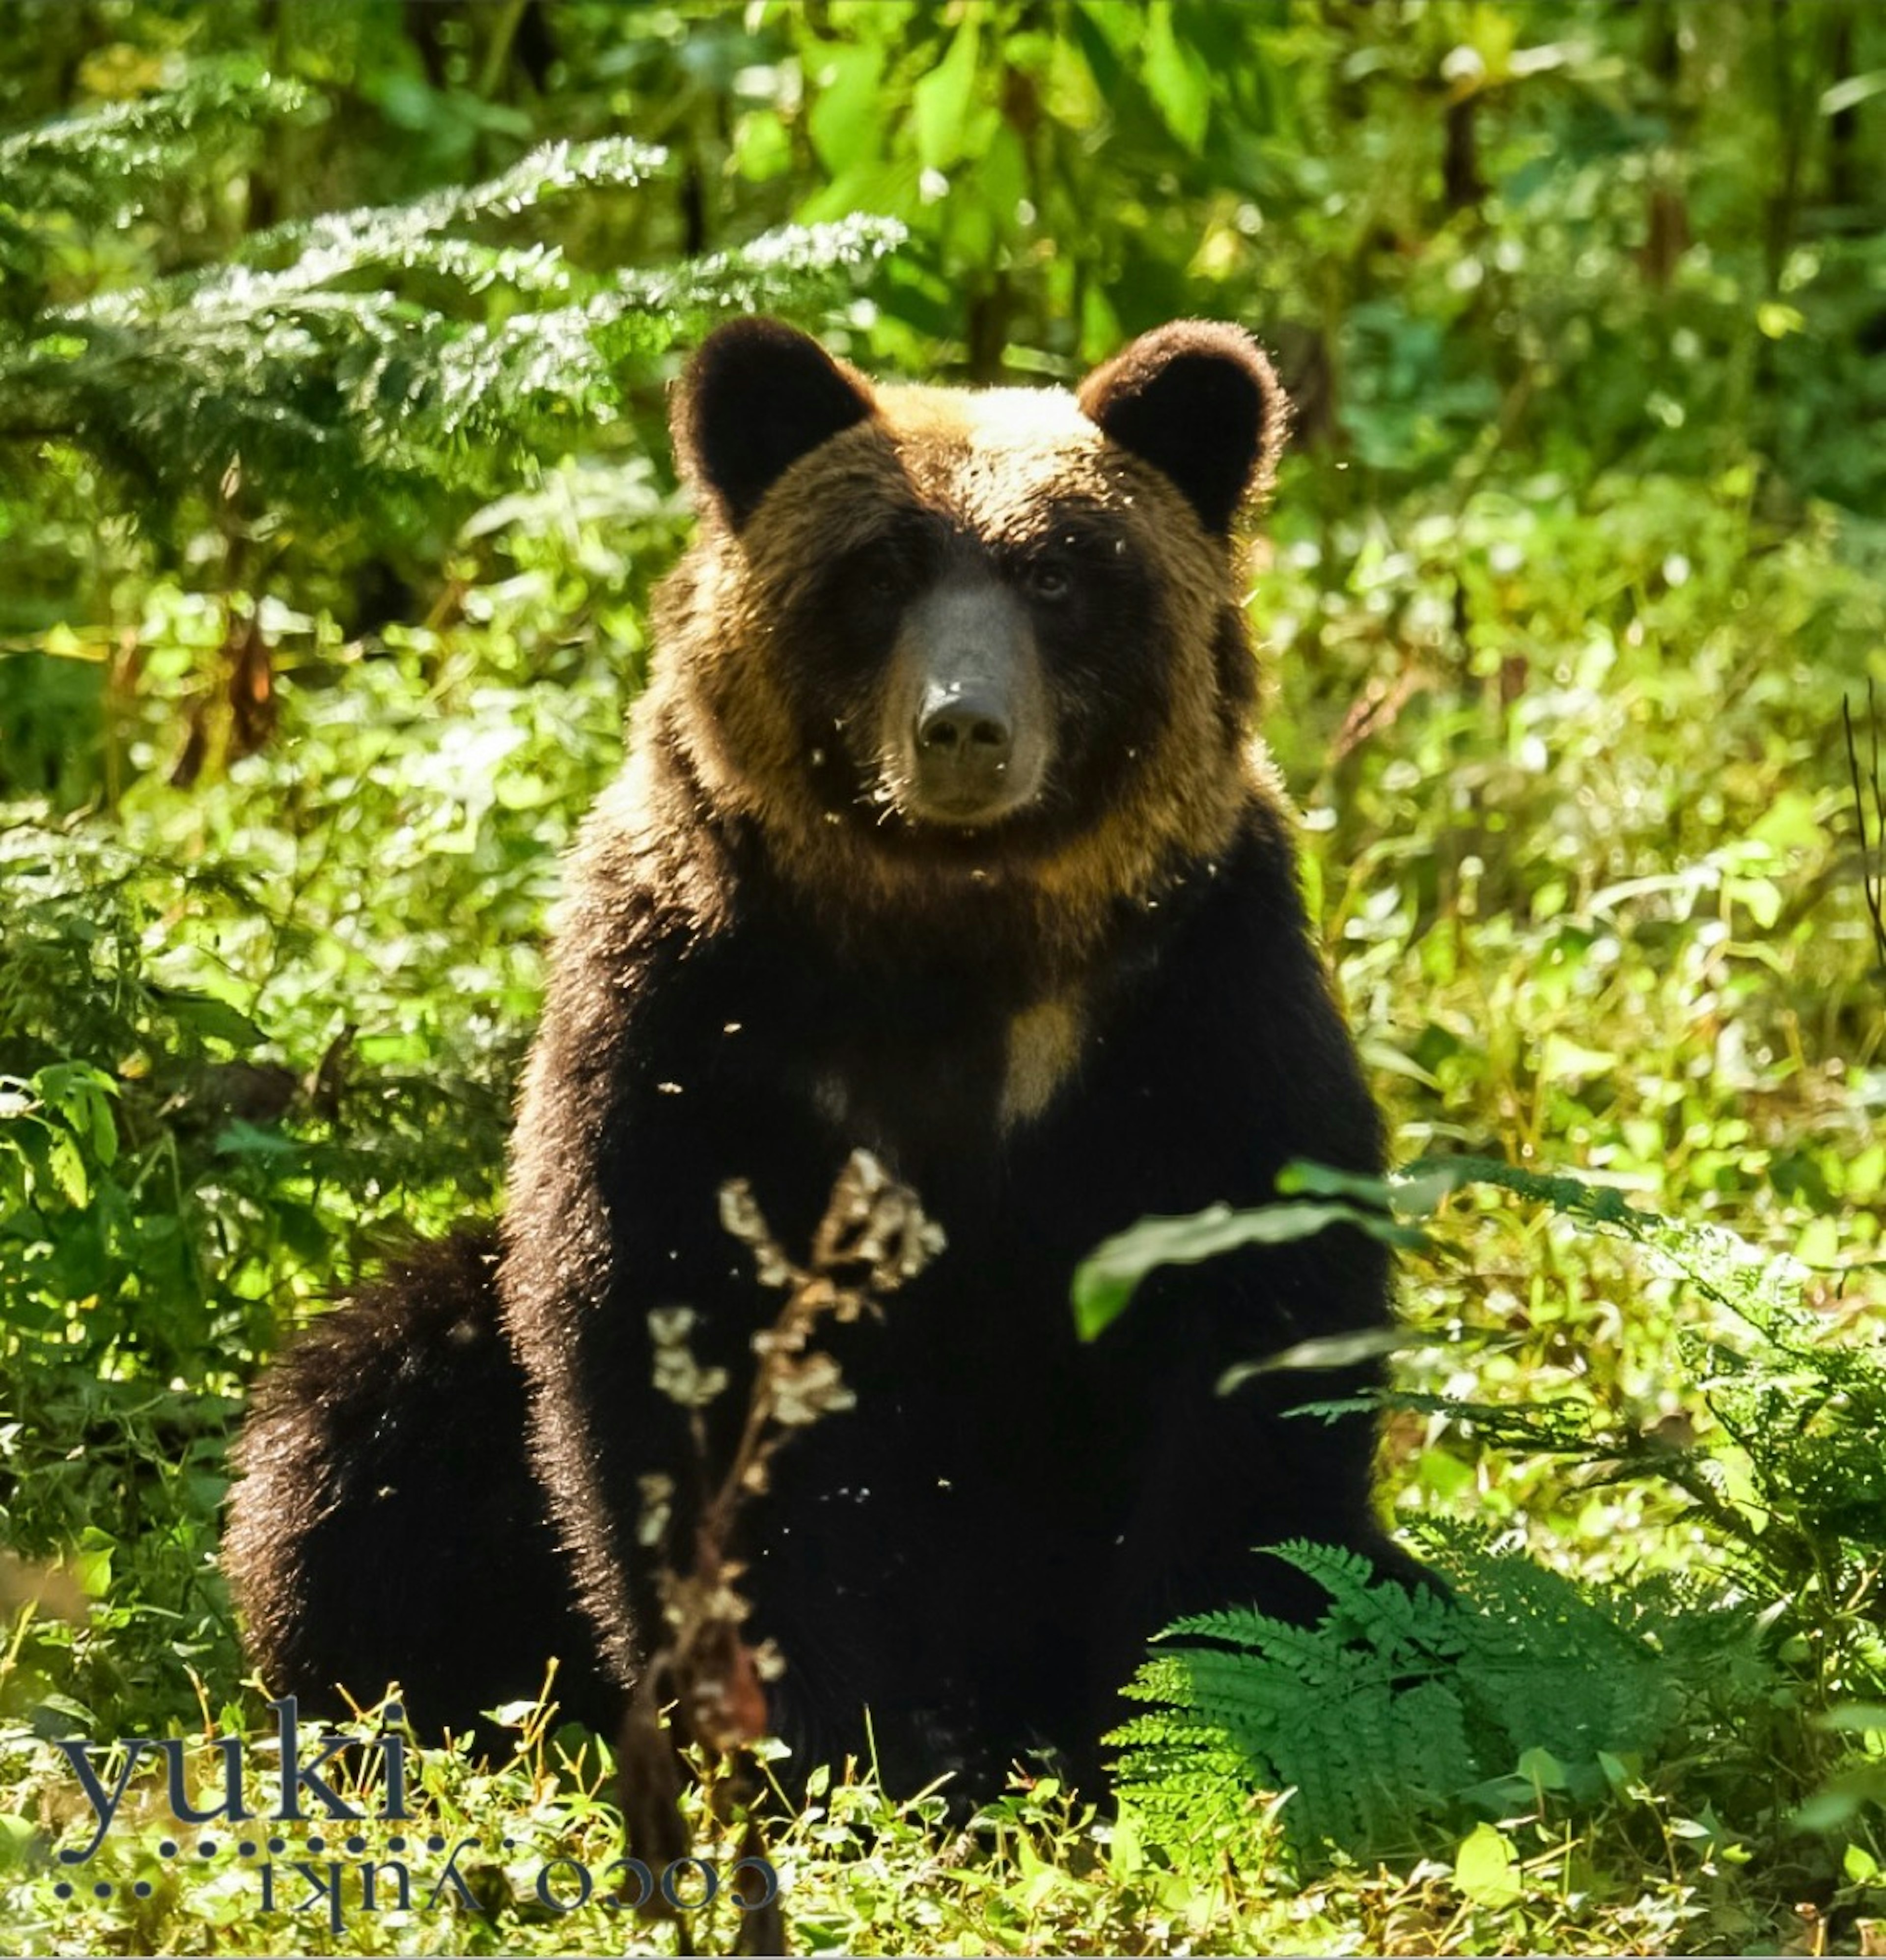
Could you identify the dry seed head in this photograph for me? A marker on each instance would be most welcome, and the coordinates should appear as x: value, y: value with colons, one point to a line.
x: 877, y: 1223
x: 741, y: 1216
x: 658, y: 1498
x: 805, y: 1390
x: 670, y: 1325
x: 682, y: 1380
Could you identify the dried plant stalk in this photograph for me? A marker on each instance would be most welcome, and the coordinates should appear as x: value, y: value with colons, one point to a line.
x: 706, y: 1677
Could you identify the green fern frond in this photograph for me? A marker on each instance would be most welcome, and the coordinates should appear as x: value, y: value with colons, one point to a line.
x: 100, y: 165
x: 1385, y: 1715
x: 276, y: 267
x: 464, y: 354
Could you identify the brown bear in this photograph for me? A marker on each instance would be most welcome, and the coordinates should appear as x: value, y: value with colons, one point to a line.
x: 944, y: 834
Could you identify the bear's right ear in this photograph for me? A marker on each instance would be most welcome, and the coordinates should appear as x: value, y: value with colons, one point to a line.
x: 755, y: 398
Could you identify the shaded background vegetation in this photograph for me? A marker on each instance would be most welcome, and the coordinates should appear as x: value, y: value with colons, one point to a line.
x: 325, y: 549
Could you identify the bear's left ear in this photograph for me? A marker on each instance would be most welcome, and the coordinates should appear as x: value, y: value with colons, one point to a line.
x: 756, y: 397
x: 1199, y: 401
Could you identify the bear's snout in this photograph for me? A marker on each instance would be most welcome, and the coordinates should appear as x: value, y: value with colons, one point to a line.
x: 968, y: 716
x: 965, y: 735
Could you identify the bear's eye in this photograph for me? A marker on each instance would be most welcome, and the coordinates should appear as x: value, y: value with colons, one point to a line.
x: 1050, y: 580
x: 881, y: 572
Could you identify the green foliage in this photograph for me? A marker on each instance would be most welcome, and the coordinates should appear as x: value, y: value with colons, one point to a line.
x: 1400, y: 1709
x: 1393, y: 1708
x: 386, y: 352
x: 1794, y: 1403
x: 339, y: 383
x: 1106, y: 1280
x: 100, y: 168
x: 260, y: 1050
x: 1787, y: 1473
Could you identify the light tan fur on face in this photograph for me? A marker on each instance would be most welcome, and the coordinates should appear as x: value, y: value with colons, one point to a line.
x: 1000, y: 462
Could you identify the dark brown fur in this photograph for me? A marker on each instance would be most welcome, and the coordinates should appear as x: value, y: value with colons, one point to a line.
x: 1098, y: 1004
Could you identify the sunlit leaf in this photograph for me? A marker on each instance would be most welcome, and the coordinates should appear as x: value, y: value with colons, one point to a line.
x: 1106, y: 1281
x: 939, y: 102
x: 1485, y: 1869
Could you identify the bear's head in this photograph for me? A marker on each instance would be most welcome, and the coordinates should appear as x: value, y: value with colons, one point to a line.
x: 987, y: 638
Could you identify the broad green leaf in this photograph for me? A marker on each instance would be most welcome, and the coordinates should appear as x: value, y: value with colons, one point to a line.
x: 1106, y: 1281
x: 763, y: 146
x: 1761, y: 896
x: 1176, y: 78
x: 846, y: 120
x: 1300, y: 1174
x: 1542, y: 1768
x: 1868, y: 1716
x: 67, y: 1166
x: 210, y: 1019
x: 1485, y: 1868
x: 90, y: 1564
x: 17, y: 1833
x: 1002, y: 177
x: 939, y: 104
x: 82, y: 1096
x: 1566, y: 1061
x: 1852, y: 91
x: 1841, y: 1798
x: 1790, y: 823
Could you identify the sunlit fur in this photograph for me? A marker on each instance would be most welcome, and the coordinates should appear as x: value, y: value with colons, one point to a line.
x: 1006, y: 467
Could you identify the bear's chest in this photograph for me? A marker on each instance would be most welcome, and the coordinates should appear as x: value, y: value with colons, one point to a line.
x: 960, y: 1083
x: 936, y: 1071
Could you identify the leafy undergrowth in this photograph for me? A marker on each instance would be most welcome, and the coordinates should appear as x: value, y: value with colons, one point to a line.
x: 524, y: 1859
x: 255, y: 1030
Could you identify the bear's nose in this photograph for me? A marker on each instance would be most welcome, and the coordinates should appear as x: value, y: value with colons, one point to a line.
x: 965, y: 730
